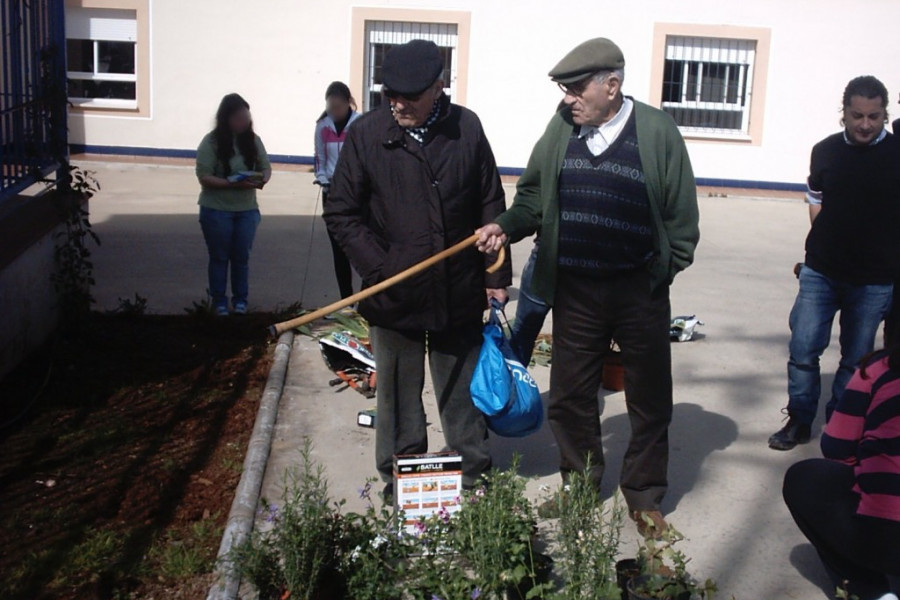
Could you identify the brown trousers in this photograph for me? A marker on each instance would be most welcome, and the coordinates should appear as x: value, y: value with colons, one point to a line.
x: 588, y: 313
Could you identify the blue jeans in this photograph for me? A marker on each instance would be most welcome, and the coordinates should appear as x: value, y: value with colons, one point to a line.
x: 530, y: 313
x: 229, y: 237
x: 862, y: 308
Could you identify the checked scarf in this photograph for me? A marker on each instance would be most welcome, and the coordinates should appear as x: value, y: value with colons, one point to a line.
x: 418, y: 133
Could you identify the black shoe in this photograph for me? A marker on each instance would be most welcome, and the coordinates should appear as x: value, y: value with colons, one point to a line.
x: 793, y: 433
x: 387, y: 493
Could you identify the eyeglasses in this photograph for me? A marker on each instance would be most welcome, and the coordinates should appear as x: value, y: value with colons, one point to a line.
x: 578, y: 88
x: 392, y: 95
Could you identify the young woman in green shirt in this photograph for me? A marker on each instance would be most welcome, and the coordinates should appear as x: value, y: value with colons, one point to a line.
x: 232, y: 165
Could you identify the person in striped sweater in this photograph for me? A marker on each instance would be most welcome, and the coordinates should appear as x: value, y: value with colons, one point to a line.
x: 848, y: 503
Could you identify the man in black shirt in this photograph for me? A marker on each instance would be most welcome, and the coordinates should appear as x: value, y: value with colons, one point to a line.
x: 892, y: 321
x: 852, y: 253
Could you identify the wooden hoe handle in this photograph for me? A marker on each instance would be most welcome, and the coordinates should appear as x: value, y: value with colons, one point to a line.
x: 279, y: 328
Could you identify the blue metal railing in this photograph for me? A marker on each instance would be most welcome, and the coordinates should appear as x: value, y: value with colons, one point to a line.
x: 33, y: 105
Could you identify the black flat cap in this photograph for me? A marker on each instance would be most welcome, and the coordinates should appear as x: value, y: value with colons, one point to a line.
x: 412, y: 67
x: 594, y: 55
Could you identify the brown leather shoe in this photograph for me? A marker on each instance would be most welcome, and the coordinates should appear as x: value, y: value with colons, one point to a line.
x: 650, y: 523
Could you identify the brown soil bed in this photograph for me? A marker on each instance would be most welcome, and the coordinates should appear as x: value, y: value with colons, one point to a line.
x: 120, y: 450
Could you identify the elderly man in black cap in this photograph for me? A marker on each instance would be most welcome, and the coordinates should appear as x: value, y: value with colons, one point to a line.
x: 415, y: 177
x: 611, y: 188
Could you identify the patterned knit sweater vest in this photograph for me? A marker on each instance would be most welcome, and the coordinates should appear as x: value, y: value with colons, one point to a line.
x: 605, y: 225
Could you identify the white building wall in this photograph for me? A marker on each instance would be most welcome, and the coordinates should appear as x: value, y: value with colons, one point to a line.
x: 281, y: 54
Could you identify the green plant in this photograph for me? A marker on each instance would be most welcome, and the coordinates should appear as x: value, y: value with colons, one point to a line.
x: 493, y: 533
x: 842, y: 593
x: 233, y: 458
x: 131, y: 308
x: 74, y: 273
x: 664, y: 574
x: 182, y: 554
x: 299, y: 553
x: 202, y: 308
x: 436, y: 571
x: 588, y: 534
x: 374, y: 556
x: 484, y: 550
x: 282, y: 312
x: 95, y: 556
x: 352, y: 323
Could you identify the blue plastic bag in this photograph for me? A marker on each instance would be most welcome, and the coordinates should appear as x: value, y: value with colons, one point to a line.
x: 501, y: 386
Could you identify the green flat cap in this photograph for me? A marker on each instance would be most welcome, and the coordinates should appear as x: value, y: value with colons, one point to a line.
x: 586, y: 58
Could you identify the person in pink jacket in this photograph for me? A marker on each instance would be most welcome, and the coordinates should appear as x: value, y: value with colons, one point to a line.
x: 331, y: 131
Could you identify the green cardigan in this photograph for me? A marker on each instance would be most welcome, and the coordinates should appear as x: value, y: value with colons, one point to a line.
x: 670, y: 186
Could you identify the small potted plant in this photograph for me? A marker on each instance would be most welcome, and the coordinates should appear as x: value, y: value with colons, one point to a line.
x: 663, y: 572
x: 588, y: 536
x: 296, y: 555
x: 494, y: 532
x: 626, y: 570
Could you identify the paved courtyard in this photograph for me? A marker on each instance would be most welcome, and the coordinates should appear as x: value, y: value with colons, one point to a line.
x: 725, y: 493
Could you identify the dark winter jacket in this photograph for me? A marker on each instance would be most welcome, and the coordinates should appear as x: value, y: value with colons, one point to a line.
x: 395, y: 202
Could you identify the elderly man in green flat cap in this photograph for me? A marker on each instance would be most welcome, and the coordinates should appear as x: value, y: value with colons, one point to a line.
x: 611, y: 189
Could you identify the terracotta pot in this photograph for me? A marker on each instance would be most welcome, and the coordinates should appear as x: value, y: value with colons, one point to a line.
x: 613, y: 372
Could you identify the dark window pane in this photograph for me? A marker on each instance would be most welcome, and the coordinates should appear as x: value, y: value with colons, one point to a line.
x: 673, y: 77
x: 447, y: 55
x: 378, y: 53
x: 706, y: 118
x: 117, y: 90
x: 116, y: 57
x: 713, y: 87
x: 743, y: 89
x: 733, y: 75
x: 693, y: 74
x: 80, y: 55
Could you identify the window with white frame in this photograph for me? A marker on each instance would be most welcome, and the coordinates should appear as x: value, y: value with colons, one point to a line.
x: 708, y: 84
x: 381, y: 36
x: 101, y: 56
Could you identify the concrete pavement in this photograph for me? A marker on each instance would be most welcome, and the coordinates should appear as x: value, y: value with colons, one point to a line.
x: 729, y: 385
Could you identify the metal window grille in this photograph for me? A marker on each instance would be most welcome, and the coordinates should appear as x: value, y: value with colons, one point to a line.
x: 33, y: 135
x: 102, y: 57
x: 708, y: 83
x: 381, y: 36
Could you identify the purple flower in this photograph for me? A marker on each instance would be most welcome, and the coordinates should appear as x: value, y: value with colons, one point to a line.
x: 436, y: 597
x: 476, y: 593
x: 419, y: 527
x: 444, y: 515
x: 270, y: 513
x: 365, y: 492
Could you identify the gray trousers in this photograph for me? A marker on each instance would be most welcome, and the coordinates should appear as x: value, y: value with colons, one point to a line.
x: 400, y: 426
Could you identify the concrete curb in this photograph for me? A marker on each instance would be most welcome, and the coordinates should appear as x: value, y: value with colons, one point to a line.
x: 246, y: 497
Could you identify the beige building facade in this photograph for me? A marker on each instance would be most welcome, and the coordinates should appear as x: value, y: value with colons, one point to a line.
x: 753, y: 85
